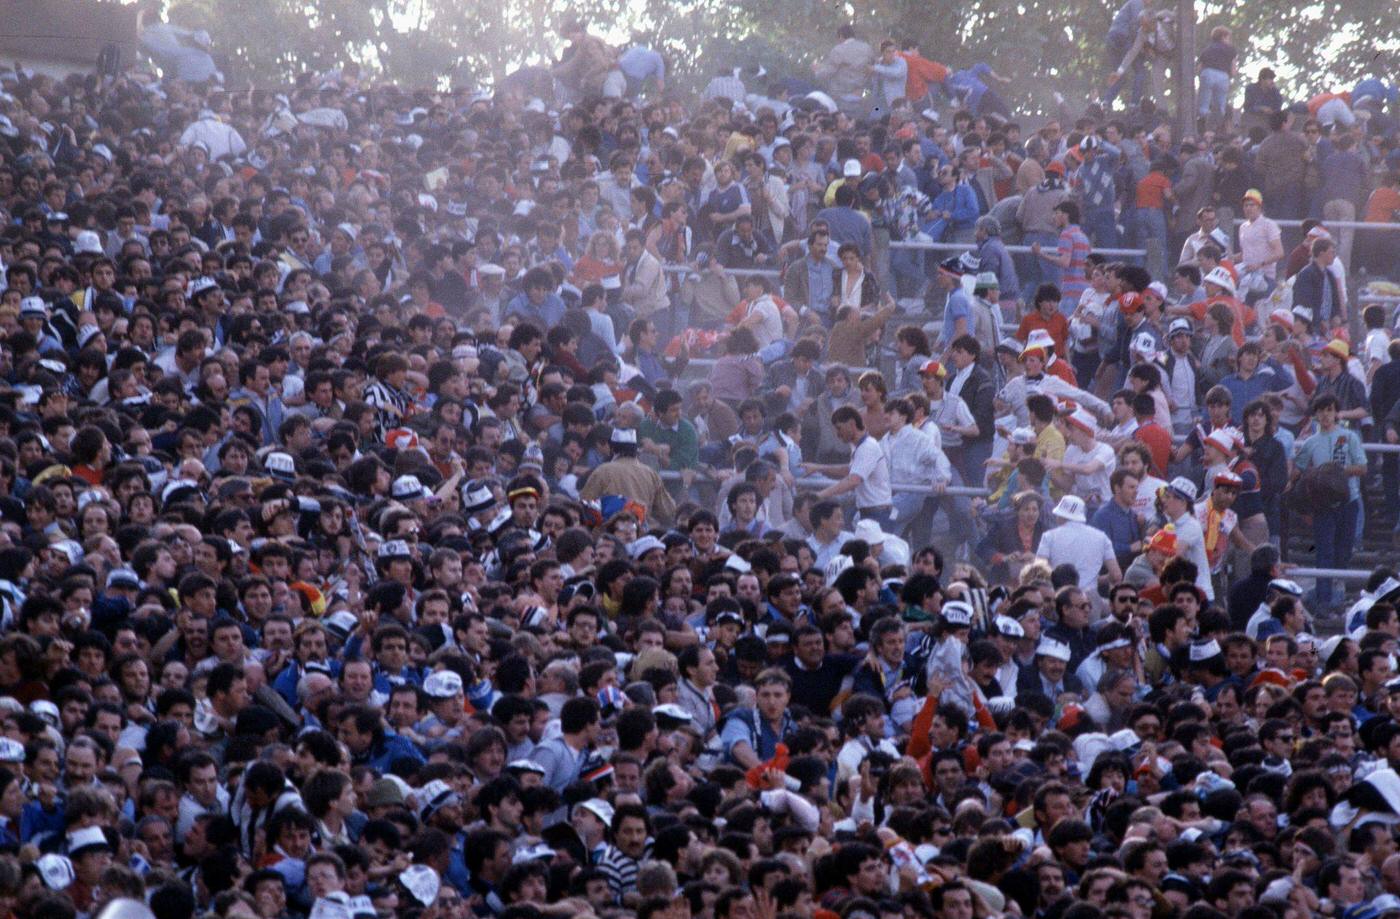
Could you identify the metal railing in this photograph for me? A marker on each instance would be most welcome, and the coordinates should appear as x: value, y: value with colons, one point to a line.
x: 673, y: 268
x: 815, y: 482
x: 818, y: 482
x: 706, y: 363
x: 1014, y: 250
x: 1335, y: 224
x: 1340, y: 574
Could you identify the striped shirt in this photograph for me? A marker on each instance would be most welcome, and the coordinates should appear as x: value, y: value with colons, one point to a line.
x: 391, y: 407
x: 724, y: 86
x: 1075, y: 244
x: 620, y: 869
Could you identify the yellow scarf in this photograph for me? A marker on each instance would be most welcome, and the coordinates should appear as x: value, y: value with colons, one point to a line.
x: 1213, y: 518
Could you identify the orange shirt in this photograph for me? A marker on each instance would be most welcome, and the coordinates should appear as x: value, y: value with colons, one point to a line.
x: 1382, y: 205
x: 1151, y: 191
x: 1061, y: 368
x: 922, y: 72
x: 1057, y: 325
x: 88, y: 474
x: 1244, y: 314
x: 1316, y: 103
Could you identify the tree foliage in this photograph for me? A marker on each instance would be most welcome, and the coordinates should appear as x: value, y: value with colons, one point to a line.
x: 1043, y: 45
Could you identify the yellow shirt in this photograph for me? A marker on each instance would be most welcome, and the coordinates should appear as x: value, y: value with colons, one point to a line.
x: 1050, y: 445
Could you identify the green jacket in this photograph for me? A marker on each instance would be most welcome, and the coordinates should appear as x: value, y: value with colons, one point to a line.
x: 683, y: 441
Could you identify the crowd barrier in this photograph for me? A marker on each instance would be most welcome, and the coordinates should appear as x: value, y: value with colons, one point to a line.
x: 672, y: 268
x: 1014, y: 250
x: 817, y: 482
x: 963, y: 491
x: 1339, y: 574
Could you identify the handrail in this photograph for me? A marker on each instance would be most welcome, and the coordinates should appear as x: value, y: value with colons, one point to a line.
x: 705, y: 363
x: 1014, y: 250
x: 1343, y: 574
x: 676, y: 268
x: 809, y: 482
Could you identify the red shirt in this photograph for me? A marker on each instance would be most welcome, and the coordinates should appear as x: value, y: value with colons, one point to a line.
x: 1151, y: 191
x: 88, y: 474
x: 922, y: 72
x: 1159, y: 443
x: 1062, y: 369
x: 1057, y: 325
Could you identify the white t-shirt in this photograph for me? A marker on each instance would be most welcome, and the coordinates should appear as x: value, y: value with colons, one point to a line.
x: 868, y: 462
x: 1093, y: 486
x: 1082, y: 335
x: 1080, y: 545
x: 1145, y: 504
x: 1124, y: 430
x: 1191, y: 545
x: 1181, y: 384
x: 770, y: 329
x: 950, y: 411
x: 1377, y: 345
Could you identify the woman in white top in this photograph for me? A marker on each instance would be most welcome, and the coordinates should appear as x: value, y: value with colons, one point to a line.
x: 1084, y: 326
x: 854, y: 286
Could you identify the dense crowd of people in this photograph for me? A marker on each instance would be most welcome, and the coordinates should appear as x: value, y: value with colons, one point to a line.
x: 588, y: 500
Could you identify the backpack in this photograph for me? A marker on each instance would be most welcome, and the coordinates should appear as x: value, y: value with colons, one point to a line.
x: 1319, y: 489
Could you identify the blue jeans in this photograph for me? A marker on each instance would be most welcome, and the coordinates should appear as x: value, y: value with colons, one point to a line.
x: 974, y: 458
x: 1085, y: 364
x: 1215, y: 91
x: 909, y: 509
x: 1101, y: 226
x: 1151, y: 223
x: 1334, y: 532
x: 1127, y: 224
x: 908, y: 268
x: 881, y: 517
x: 1288, y: 203
x: 991, y: 104
x: 1117, y: 48
x: 1038, y: 271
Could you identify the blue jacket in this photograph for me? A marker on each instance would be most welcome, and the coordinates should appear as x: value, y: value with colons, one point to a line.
x: 1307, y: 290
x: 272, y: 411
x: 547, y: 315
x: 961, y: 202
x: 381, y: 756
x: 994, y: 258
x: 286, y: 682
x: 36, y: 822
x: 848, y: 226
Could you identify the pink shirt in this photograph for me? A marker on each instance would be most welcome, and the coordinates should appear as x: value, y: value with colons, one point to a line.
x: 1258, y: 240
